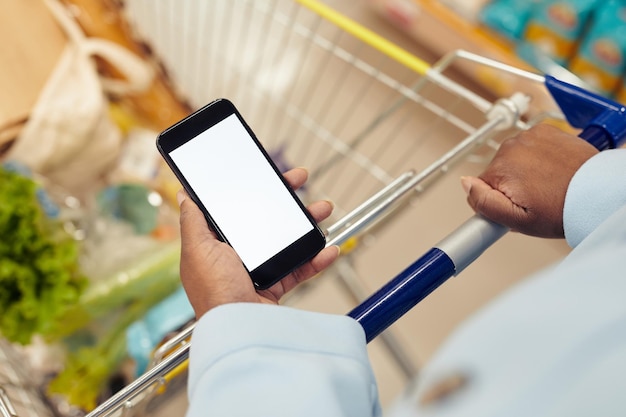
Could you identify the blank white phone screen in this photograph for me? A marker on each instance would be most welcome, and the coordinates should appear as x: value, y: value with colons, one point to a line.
x: 241, y: 192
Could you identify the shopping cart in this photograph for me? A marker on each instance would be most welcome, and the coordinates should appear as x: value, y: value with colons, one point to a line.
x: 324, y: 92
x: 318, y: 96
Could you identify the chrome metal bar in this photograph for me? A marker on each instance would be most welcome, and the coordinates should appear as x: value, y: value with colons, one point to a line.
x: 470, y: 240
x: 348, y: 218
x: 449, y: 58
x: 151, y: 376
x: 6, y: 408
x: 169, y: 345
x: 436, y: 77
x: 477, y: 137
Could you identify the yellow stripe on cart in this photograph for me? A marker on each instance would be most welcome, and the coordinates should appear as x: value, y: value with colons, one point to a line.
x: 367, y: 36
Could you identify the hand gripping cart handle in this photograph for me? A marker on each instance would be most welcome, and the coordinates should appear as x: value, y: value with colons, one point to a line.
x: 604, y: 126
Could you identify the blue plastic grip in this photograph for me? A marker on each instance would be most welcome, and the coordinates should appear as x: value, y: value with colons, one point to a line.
x: 403, y: 292
x: 603, y: 120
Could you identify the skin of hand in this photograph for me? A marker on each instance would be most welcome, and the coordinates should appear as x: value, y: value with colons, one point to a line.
x: 525, y: 184
x: 212, y: 273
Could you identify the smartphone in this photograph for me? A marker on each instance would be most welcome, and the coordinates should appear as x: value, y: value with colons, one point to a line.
x: 244, y: 197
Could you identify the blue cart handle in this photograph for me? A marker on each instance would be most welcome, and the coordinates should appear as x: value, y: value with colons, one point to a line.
x: 602, y: 119
x: 604, y: 123
x: 445, y: 260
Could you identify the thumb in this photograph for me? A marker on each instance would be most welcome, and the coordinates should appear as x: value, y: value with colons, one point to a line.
x: 194, y: 228
x: 492, y: 203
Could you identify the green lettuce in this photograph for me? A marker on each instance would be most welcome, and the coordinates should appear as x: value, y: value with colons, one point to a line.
x: 39, y: 272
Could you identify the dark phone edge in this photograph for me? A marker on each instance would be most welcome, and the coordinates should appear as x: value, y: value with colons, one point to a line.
x: 193, y: 126
x: 264, y: 276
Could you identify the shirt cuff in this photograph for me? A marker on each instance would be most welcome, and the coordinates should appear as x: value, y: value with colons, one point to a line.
x: 596, y: 191
x: 232, y: 327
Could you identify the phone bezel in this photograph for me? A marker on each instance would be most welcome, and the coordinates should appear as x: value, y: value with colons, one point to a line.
x: 288, y: 259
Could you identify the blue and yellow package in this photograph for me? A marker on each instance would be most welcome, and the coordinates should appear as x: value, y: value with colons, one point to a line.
x: 601, y: 58
x: 508, y: 17
x: 557, y: 26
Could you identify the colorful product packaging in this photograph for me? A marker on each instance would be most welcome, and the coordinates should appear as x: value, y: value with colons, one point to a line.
x: 601, y: 59
x: 557, y: 26
x: 508, y: 17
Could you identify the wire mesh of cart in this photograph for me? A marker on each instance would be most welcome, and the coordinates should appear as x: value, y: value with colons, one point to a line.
x: 363, y: 115
x: 322, y: 93
x: 315, y: 95
x: 20, y: 394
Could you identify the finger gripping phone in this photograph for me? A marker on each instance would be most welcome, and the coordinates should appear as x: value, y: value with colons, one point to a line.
x: 245, y: 199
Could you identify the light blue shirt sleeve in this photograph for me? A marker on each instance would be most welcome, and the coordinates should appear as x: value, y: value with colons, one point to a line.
x: 596, y: 191
x: 261, y: 360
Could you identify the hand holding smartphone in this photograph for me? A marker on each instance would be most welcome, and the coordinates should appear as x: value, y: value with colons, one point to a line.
x: 246, y: 201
